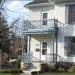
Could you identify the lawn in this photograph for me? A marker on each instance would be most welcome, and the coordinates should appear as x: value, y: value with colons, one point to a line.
x: 6, y: 74
x: 58, y: 74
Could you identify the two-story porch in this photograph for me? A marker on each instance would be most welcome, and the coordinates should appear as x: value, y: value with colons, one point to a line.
x: 42, y: 40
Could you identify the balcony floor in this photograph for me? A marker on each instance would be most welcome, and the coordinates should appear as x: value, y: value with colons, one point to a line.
x: 39, y: 31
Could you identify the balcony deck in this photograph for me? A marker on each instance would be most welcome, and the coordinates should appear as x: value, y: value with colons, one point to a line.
x: 40, y: 26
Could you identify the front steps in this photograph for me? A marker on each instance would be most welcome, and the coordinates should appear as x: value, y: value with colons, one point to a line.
x: 33, y: 67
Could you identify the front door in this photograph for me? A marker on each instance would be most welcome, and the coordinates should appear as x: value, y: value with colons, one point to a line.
x: 43, y: 49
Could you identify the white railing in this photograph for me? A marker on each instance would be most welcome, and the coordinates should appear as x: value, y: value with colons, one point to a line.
x: 40, y: 24
x: 27, y: 57
x: 50, y: 58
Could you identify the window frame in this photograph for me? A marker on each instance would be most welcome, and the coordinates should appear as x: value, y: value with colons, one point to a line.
x: 69, y: 14
x: 42, y: 46
x: 43, y: 20
x: 68, y: 47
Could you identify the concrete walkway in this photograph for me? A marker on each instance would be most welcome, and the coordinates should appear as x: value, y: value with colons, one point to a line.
x: 22, y: 74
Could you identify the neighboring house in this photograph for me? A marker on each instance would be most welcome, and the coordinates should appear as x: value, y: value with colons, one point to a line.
x: 18, y: 51
x: 51, y: 31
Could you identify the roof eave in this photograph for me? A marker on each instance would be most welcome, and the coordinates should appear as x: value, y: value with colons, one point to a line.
x: 60, y: 1
x: 38, y: 5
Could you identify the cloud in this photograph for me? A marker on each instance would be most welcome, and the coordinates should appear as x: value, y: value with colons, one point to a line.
x: 24, y: 10
x: 13, y: 5
x: 21, y: 6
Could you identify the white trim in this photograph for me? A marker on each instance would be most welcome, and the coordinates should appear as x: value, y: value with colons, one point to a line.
x: 43, y: 56
x: 39, y: 5
x: 46, y: 18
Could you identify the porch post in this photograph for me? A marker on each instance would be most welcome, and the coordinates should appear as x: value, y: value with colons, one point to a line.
x: 53, y: 47
x: 56, y: 47
x: 23, y: 48
x: 28, y: 51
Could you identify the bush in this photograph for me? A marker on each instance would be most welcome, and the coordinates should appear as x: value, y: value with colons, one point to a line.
x: 5, y: 71
x: 39, y: 72
x: 52, y: 68
x: 72, y: 69
x: 18, y: 63
x: 11, y: 71
x: 34, y: 72
x: 61, y: 70
x: 5, y: 61
x: 19, y: 71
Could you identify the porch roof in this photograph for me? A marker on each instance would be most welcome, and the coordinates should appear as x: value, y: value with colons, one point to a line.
x: 40, y: 31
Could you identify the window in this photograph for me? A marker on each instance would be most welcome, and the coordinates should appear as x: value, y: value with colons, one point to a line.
x: 44, y: 48
x: 70, y: 45
x: 70, y: 13
x: 44, y: 18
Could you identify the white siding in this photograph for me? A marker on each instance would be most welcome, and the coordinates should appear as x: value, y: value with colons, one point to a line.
x: 64, y: 30
x: 37, y: 39
x: 36, y: 13
x: 57, y: 11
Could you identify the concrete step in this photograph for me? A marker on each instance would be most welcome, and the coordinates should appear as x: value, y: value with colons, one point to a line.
x: 32, y: 67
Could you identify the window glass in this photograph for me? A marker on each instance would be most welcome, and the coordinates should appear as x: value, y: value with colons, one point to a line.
x: 44, y: 15
x: 44, y: 48
x: 69, y: 45
x: 44, y: 18
x: 72, y: 45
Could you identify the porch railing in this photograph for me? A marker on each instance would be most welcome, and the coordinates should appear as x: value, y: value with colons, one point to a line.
x: 49, y: 58
x: 27, y: 57
x: 40, y: 24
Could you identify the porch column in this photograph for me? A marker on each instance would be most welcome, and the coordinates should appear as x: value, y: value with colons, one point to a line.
x: 56, y: 47
x: 28, y: 51
x: 53, y: 47
x: 23, y: 48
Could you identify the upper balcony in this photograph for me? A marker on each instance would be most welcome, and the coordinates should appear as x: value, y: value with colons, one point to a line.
x: 45, y: 26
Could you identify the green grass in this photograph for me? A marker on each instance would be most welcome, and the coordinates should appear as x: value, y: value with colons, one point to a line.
x: 6, y: 74
x: 58, y: 74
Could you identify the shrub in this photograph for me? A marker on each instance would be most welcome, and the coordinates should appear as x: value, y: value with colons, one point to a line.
x: 19, y: 71
x: 5, y: 61
x: 72, y: 69
x: 52, y: 68
x: 39, y: 72
x: 11, y: 71
x: 61, y: 70
x: 18, y: 63
x: 34, y: 72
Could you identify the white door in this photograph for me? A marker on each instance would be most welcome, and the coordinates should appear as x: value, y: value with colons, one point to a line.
x: 43, y: 49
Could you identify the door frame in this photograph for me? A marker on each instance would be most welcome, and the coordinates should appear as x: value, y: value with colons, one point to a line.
x: 41, y: 49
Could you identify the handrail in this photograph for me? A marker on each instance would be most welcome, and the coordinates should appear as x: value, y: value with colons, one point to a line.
x: 35, y: 59
x: 40, y: 24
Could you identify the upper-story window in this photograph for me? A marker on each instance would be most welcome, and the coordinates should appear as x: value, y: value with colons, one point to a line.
x: 70, y: 14
x: 44, y: 18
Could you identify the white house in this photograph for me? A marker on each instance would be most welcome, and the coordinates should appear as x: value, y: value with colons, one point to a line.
x: 51, y: 31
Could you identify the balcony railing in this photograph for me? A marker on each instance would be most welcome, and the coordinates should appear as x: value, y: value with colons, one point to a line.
x: 40, y: 24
